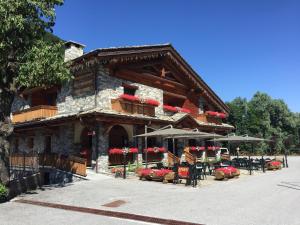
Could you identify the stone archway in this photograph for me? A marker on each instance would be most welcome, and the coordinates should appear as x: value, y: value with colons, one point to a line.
x: 86, y: 145
x: 118, y: 138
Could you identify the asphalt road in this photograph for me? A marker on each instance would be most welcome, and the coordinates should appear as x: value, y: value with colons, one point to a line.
x: 271, y: 198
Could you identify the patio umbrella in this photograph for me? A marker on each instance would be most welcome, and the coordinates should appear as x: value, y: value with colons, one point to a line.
x: 199, y: 135
x: 167, y: 132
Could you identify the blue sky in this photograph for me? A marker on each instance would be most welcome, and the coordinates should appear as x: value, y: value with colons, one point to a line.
x: 237, y: 47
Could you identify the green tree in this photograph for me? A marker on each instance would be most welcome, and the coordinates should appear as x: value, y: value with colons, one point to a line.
x: 268, y: 118
x: 28, y: 58
x: 239, y: 116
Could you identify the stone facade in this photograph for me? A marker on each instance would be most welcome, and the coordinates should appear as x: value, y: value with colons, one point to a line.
x: 61, y: 141
x: 66, y: 140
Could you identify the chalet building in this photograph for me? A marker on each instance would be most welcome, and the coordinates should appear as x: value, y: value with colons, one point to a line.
x: 115, y: 94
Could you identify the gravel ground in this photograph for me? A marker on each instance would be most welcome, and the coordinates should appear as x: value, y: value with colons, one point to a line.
x: 271, y: 198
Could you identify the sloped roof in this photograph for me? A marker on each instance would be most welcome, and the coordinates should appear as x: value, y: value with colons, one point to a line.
x: 133, y: 53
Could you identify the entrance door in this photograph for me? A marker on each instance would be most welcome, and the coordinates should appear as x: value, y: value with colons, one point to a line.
x: 86, y: 146
x: 118, y: 138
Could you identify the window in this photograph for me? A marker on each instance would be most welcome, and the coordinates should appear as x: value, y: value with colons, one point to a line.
x: 129, y: 89
x: 30, y: 142
x: 48, y: 145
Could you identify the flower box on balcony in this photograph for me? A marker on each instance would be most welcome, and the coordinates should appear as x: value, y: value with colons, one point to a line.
x: 120, y: 151
x: 197, y: 148
x: 170, y: 108
x: 151, y: 102
x: 185, y: 110
x: 132, y: 107
x: 216, y: 114
x: 155, y: 149
x: 213, y: 148
x: 131, y: 98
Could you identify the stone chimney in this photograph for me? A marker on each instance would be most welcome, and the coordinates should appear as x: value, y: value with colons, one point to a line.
x: 73, y: 50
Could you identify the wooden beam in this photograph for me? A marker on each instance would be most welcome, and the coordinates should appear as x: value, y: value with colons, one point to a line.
x: 151, y: 80
x: 175, y: 95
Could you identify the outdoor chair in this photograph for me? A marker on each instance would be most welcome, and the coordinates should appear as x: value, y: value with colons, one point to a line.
x: 200, y: 171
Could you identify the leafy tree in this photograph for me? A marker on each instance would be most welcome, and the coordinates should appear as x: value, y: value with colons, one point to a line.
x: 239, y: 115
x: 28, y: 57
x: 265, y: 117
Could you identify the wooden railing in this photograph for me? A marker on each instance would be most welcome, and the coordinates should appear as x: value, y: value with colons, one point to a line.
x: 208, y: 119
x: 124, y: 106
x: 70, y: 163
x: 172, y: 159
x: 34, y: 113
x: 24, y: 160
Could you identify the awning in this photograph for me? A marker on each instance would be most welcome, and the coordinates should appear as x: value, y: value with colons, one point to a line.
x: 167, y: 132
x: 200, y: 135
x: 238, y: 139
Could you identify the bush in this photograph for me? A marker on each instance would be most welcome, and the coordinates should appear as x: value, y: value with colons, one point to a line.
x: 3, y: 193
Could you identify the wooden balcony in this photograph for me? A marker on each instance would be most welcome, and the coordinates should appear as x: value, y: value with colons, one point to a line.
x: 208, y: 119
x: 34, y: 113
x: 129, y: 107
x: 70, y: 163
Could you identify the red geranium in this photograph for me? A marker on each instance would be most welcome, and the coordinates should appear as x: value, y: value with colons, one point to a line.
x: 161, y: 172
x: 213, y: 148
x: 131, y: 98
x: 155, y: 149
x: 133, y: 150
x: 211, y: 113
x: 152, y: 102
x: 185, y: 110
x: 115, y: 151
x: 170, y: 108
x: 198, y: 148
x: 275, y: 163
x: 222, y: 115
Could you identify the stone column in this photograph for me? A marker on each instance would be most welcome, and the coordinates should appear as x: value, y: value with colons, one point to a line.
x: 103, y: 150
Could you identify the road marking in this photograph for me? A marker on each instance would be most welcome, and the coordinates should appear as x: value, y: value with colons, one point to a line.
x: 121, y: 215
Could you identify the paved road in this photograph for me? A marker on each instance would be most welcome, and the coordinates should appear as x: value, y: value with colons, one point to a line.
x: 271, y: 198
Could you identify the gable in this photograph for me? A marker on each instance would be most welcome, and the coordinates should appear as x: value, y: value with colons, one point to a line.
x: 155, y: 65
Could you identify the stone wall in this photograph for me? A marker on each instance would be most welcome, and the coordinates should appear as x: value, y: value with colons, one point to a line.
x: 62, y: 141
x: 67, y: 103
x: 111, y: 88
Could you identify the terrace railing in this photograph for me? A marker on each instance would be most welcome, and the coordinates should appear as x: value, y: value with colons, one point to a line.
x: 121, y: 105
x: 73, y: 164
x: 34, y: 113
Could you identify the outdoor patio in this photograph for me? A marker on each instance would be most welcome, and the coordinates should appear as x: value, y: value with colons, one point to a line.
x: 263, y: 198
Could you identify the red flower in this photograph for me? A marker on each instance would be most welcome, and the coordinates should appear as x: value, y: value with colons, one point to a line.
x: 155, y: 149
x: 213, y: 148
x: 152, y: 102
x: 275, y: 163
x: 193, y: 148
x: 115, y: 151
x: 211, y: 113
x: 131, y: 98
x: 216, y: 114
x: 222, y: 115
x: 170, y: 108
x: 133, y: 150
x: 185, y: 110
x: 198, y: 148
x: 161, y: 172
x: 162, y: 149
